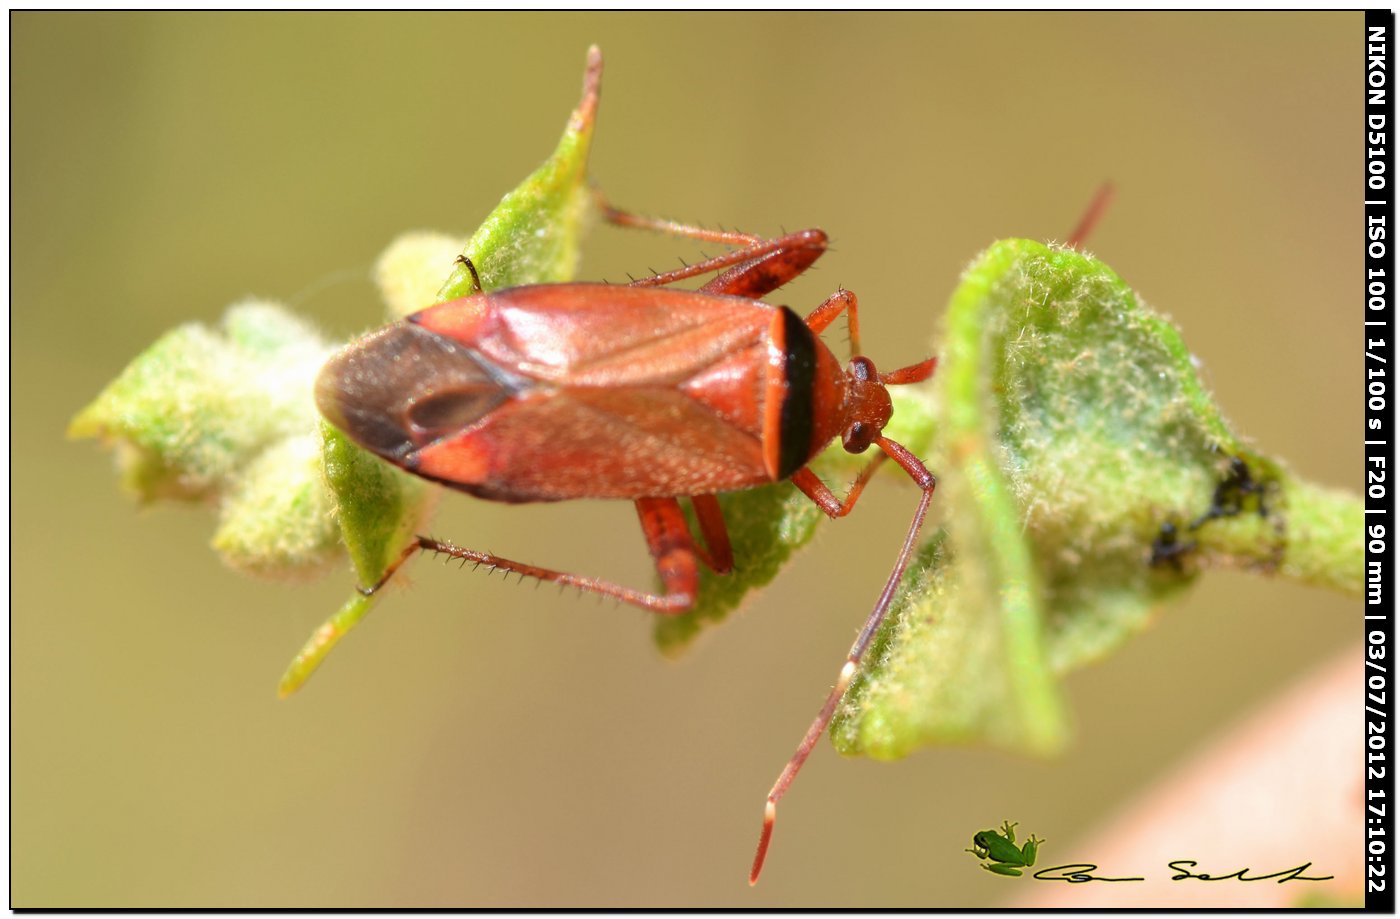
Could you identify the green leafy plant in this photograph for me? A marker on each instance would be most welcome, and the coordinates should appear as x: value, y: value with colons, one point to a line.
x: 1085, y: 473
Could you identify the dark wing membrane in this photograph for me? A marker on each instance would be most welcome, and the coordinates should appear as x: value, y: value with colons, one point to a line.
x: 402, y: 388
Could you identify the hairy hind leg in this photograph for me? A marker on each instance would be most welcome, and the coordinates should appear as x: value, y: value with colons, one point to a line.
x: 756, y: 267
x: 672, y: 548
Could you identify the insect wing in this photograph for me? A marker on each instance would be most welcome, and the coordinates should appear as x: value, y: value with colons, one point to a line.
x: 563, y: 391
x: 630, y: 393
x: 403, y: 387
x: 599, y: 334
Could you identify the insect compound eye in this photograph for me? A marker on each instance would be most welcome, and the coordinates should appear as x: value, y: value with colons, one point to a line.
x: 857, y: 438
x: 862, y: 368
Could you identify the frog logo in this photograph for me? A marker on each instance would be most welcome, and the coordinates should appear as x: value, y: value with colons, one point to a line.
x: 999, y: 850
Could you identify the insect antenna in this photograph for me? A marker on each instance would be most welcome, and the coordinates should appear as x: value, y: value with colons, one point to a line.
x: 1092, y: 214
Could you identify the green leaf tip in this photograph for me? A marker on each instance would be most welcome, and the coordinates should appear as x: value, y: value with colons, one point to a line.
x: 533, y: 235
x: 1087, y: 477
x: 322, y: 642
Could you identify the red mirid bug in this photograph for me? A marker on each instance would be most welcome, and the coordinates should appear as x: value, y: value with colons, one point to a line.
x: 560, y: 391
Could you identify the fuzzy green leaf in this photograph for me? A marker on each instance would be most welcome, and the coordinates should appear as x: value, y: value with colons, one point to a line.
x: 277, y: 517
x: 1088, y: 478
x: 379, y: 507
x: 207, y: 414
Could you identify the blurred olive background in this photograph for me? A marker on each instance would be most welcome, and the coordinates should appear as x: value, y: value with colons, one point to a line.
x: 477, y: 743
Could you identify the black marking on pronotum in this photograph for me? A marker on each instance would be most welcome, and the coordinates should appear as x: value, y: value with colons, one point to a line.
x: 795, y: 420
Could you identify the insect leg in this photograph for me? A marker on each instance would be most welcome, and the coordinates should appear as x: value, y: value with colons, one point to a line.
x: 792, y: 254
x: 673, y: 550
x: 621, y: 218
x: 720, y: 555
x: 830, y: 308
x: 925, y: 480
x: 754, y: 271
x: 844, y: 300
x: 471, y: 269
x: 806, y: 480
x: 667, y: 535
x: 757, y: 267
x: 914, y: 373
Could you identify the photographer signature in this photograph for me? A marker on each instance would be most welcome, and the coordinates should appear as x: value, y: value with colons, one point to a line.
x: 999, y: 854
x: 1080, y: 873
